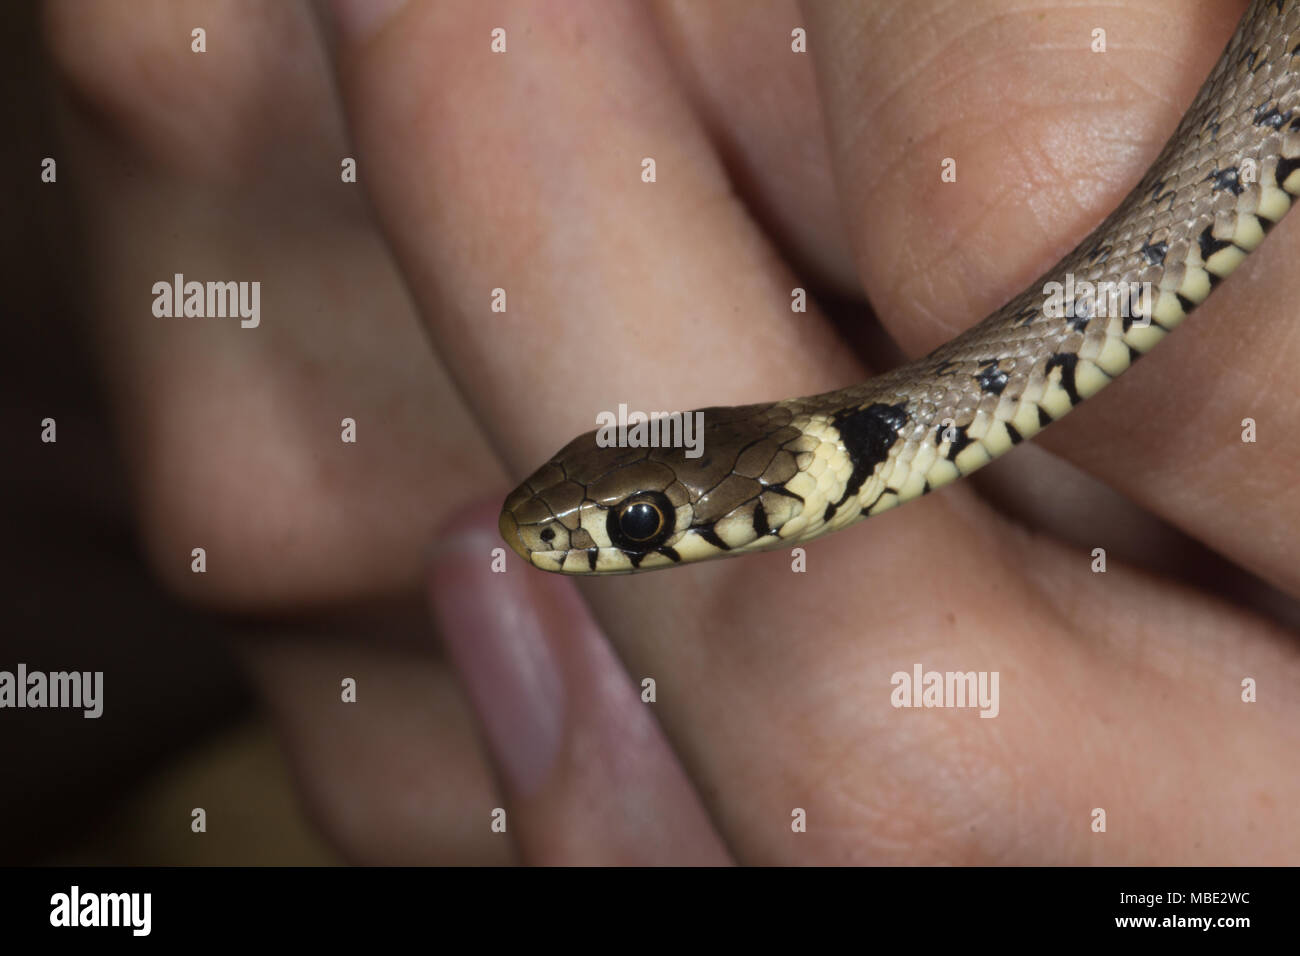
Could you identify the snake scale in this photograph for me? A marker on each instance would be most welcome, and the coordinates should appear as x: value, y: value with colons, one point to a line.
x: 776, y: 474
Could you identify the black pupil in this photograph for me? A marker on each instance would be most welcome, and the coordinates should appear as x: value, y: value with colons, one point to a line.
x: 640, y: 521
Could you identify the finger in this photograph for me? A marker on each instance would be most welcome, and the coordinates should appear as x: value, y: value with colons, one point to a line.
x: 608, y: 277
x: 522, y: 171
x: 390, y: 768
x: 1047, y: 142
x: 225, y: 166
x: 588, y: 777
x: 759, y: 107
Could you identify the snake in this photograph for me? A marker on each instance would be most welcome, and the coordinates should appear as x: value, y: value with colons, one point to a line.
x: 779, y: 474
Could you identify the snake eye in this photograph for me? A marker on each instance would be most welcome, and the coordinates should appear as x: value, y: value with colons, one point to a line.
x: 640, y: 523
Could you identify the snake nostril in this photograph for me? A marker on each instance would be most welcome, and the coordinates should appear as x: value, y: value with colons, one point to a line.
x: 548, y: 535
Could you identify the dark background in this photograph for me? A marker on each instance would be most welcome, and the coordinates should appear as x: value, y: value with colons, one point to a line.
x: 179, y: 719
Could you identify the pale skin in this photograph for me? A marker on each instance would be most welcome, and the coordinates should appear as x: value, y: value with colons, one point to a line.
x: 1120, y: 690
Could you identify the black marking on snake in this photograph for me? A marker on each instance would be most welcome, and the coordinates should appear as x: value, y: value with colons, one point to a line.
x: 1013, y: 433
x: 991, y: 378
x: 1067, y: 363
x: 1101, y: 253
x: 1028, y: 314
x: 1209, y: 245
x: 925, y: 488
x: 946, y: 367
x: 760, y: 521
x: 866, y: 509
x: 1044, y: 419
x: 591, y: 558
x: 1272, y: 117
x: 1226, y: 179
x: 548, y: 535
x: 671, y: 554
x: 1186, y: 303
x: 1154, y: 253
x: 1080, y: 313
x: 1285, y: 167
x: 1157, y: 195
x: 958, y: 444
x: 868, y: 434
x: 636, y: 557
x: 782, y: 490
x: 711, y: 536
x: 1249, y: 58
x: 1133, y: 355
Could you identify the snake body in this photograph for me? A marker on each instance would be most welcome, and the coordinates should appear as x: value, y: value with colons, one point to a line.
x: 776, y: 474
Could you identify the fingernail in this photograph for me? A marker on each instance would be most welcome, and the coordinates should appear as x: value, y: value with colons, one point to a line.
x: 358, y: 20
x: 494, y: 625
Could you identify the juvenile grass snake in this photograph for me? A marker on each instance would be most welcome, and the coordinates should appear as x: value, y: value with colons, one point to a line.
x: 777, y: 474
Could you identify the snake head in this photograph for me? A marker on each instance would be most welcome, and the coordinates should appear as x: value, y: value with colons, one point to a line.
x: 605, y: 509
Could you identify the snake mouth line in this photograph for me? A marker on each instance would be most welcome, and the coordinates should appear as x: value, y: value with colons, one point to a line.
x: 581, y: 561
x: 553, y: 560
x: 509, y: 529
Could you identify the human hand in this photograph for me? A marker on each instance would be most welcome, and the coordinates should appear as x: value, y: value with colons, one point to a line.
x: 522, y: 171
